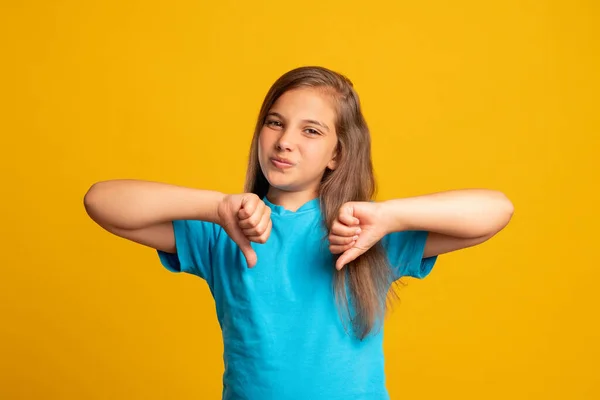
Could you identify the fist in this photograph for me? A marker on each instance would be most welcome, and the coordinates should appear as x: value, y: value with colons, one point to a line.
x: 245, y: 218
x: 358, y: 226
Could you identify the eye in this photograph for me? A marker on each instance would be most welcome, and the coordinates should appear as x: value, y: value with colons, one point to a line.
x: 312, y: 131
x: 272, y: 122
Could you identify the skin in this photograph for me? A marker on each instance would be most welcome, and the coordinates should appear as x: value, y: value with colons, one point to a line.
x: 300, y: 129
x: 455, y: 219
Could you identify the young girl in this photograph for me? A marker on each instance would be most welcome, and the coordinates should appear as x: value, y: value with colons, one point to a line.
x: 300, y: 263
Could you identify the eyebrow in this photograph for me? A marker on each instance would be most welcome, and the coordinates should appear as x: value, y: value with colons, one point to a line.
x: 310, y: 121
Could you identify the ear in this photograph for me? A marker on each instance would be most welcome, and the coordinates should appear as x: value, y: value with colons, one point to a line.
x: 334, y: 159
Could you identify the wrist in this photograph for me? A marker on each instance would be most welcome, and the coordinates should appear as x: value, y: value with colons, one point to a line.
x: 392, y: 217
x: 207, y: 206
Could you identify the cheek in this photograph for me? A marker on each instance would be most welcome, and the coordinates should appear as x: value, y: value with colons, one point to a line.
x: 267, y: 138
x: 316, y: 156
x: 323, y: 152
x: 262, y: 143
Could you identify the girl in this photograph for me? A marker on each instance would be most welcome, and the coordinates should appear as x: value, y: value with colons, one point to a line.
x: 300, y: 264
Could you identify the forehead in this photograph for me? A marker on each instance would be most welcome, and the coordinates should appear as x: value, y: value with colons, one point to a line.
x: 305, y: 103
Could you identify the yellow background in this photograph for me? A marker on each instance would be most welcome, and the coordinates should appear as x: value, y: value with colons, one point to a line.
x: 457, y: 94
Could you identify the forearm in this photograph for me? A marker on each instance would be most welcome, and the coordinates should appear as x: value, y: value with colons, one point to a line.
x: 468, y: 213
x: 136, y: 204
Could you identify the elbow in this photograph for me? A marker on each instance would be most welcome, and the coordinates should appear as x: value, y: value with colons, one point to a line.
x: 494, y: 217
x: 505, y: 210
x: 99, y: 206
x: 92, y: 200
x: 89, y: 198
x: 508, y: 208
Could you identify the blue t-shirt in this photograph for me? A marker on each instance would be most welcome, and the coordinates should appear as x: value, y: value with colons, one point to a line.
x: 282, y: 333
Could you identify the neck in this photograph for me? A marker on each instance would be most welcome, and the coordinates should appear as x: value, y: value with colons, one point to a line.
x: 291, y: 201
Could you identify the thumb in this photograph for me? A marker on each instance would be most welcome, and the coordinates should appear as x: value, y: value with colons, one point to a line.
x: 243, y: 243
x: 249, y: 253
x: 348, y: 256
x: 247, y: 250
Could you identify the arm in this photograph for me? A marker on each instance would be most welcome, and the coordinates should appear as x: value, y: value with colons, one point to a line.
x: 455, y: 219
x: 142, y: 211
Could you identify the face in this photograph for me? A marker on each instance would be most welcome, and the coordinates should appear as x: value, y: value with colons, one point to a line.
x: 298, y: 141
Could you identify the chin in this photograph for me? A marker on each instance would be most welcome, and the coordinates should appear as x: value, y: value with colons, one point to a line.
x: 281, y: 183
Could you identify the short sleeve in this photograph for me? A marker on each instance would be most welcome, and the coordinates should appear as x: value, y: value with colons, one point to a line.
x: 193, y: 241
x: 404, y: 250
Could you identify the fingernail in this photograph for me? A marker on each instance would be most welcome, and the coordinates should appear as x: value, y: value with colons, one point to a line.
x: 358, y: 231
x: 355, y: 238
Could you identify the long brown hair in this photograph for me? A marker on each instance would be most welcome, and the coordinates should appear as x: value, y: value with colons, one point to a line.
x: 366, y: 279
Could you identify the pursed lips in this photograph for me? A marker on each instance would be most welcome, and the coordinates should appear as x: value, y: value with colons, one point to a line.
x: 281, y: 162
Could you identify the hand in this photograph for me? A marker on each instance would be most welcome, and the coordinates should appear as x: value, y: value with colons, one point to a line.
x: 357, y: 228
x: 245, y: 218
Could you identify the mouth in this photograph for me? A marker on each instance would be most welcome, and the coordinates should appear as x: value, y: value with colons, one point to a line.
x: 281, y: 163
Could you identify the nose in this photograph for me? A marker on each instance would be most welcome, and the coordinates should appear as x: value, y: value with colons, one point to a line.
x: 285, y: 141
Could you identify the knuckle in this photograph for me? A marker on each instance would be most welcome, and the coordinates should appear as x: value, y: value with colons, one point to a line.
x: 250, y: 198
